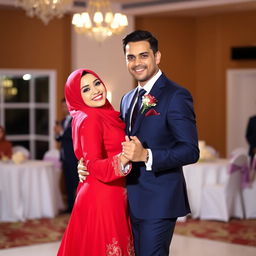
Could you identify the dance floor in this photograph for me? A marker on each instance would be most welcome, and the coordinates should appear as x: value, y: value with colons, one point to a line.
x: 193, y: 237
x: 181, y: 246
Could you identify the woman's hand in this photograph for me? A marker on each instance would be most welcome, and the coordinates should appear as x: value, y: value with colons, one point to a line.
x: 82, y: 170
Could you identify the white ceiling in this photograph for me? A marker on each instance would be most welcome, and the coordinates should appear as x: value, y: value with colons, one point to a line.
x: 187, y: 7
x: 173, y: 7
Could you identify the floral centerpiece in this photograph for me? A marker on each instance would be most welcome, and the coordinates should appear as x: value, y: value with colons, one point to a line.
x: 18, y: 157
x: 206, y: 152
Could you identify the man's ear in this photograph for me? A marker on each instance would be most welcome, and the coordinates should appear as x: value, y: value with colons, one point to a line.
x: 158, y: 57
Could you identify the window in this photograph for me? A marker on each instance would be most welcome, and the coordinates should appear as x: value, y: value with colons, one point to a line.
x: 27, y: 108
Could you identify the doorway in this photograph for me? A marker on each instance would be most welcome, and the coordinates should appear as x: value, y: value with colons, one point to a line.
x: 241, y: 104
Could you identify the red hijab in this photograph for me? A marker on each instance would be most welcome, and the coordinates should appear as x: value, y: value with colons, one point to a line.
x: 79, y: 110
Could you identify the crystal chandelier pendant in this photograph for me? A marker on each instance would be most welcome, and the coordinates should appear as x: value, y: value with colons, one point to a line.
x: 45, y: 9
x: 99, y: 22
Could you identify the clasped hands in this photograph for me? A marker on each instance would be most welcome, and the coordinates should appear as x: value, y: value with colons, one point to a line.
x: 132, y: 151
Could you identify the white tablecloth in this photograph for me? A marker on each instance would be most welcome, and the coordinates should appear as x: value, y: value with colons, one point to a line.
x: 199, y: 174
x: 29, y: 190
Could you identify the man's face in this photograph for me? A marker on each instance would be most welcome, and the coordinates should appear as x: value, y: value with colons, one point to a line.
x: 141, y: 62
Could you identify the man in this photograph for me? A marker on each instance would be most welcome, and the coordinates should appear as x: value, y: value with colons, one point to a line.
x: 162, y: 138
x: 63, y: 134
x: 251, y: 136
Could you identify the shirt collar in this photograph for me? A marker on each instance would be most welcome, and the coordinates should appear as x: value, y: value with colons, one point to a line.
x: 148, y: 86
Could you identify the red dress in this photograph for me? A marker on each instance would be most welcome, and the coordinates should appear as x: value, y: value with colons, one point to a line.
x: 99, y: 224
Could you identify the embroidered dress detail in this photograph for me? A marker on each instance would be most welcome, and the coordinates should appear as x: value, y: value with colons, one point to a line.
x: 130, y: 247
x: 114, y: 249
x: 117, y: 166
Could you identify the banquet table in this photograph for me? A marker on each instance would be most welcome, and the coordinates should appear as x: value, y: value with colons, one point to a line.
x: 29, y: 190
x: 200, y: 174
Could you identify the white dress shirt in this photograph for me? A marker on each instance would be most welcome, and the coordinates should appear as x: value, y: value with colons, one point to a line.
x: 147, y: 87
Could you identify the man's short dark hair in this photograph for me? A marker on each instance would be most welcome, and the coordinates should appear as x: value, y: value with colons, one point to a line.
x: 141, y: 35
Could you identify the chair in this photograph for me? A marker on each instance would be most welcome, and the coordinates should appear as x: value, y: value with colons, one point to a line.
x: 238, y: 151
x: 53, y: 155
x: 249, y: 200
x: 222, y: 201
x: 21, y: 149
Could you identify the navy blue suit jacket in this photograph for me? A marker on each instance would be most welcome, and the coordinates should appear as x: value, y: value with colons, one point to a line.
x: 172, y: 137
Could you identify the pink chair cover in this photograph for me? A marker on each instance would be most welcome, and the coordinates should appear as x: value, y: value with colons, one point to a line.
x: 245, y: 173
x: 56, y: 162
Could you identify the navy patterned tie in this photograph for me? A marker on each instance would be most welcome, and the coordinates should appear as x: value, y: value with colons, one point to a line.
x: 137, y: 106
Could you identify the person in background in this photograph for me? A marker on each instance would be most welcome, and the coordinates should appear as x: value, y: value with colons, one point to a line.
x: 251, y: 136
x: 63, y: 134
x: 5, y: 145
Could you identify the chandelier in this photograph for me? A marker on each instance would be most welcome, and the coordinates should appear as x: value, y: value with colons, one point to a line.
x: 99, y: 22
x: 45, y: 9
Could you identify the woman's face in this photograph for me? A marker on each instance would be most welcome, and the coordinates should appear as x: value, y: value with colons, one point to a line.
x: 92, y: 91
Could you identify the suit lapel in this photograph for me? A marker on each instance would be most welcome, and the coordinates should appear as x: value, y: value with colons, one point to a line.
x: 130, y: 103
x: 155, y: 91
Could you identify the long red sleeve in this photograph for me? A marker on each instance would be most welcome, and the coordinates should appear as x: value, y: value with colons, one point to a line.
x: 96, y: 139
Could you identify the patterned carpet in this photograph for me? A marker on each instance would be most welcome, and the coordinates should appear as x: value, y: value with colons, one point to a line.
x: 235, y: 231
x: 14, y: 234
x: 51, y: 230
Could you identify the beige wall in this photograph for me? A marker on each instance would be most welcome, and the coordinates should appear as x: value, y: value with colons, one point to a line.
x: 176, y: 38
x: 196, y: 54
x: 26, y: 43
x: 106, y: 59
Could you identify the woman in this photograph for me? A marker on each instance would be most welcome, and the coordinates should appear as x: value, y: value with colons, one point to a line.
x: 5, y: 145
x: 99, y: 224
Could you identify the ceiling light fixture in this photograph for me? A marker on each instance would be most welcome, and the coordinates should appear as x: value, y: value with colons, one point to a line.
x: 99, y: 22
x: 45, y: 9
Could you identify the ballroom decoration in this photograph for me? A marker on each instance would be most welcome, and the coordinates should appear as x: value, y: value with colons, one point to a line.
x: 18, y: 157
x: 7, y: 85
x: 4, y: 158
x: 99, y: 21
x: 206, y: 152
x: 45, y: 9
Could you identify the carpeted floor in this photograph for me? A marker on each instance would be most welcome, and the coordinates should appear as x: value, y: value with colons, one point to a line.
x: 14, y: 234
x: 51, y: 230
x: 235, y: 231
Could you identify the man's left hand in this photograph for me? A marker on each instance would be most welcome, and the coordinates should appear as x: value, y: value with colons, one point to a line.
x: 133, y: 149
